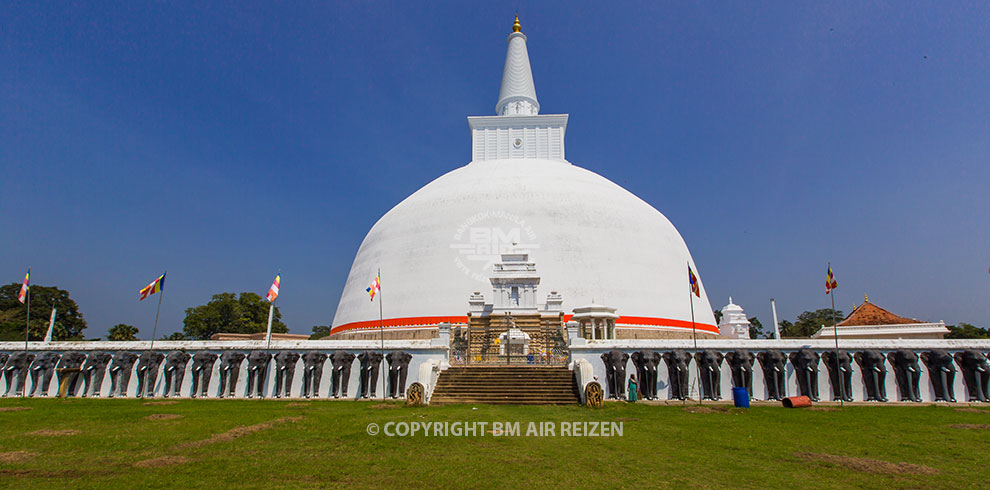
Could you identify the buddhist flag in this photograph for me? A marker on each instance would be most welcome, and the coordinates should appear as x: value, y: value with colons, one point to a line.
x: 375, y: 287
x: 830, y: 283
x: 273, y: 291
x: 155, y: 287
x: 694, y: 282
x: 22, y: 296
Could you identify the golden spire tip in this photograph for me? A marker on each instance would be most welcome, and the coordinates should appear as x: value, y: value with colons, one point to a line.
x: 516, y: 27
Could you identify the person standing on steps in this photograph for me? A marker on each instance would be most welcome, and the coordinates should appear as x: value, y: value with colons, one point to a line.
x: 632, y: 388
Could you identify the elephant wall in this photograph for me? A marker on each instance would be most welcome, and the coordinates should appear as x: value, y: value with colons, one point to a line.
x: 428, y: 354
x: 591, y: 351
x: 421, y: 351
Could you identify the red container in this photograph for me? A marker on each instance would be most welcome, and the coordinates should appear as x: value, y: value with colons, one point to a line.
x: 796, y: 402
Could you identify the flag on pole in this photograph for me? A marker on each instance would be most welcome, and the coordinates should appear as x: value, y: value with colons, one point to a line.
x: 273, y: 291
x: 375, y: 288
x: 155, y: 287
x: 830, y: 283
x: 24, y: 287
x: 694, y: 282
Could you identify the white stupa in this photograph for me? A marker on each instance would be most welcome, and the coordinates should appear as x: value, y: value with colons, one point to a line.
x: 589, y: 238
x: 734, y: 324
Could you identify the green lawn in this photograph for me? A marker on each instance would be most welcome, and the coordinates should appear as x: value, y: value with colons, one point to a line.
x: 325, y: 443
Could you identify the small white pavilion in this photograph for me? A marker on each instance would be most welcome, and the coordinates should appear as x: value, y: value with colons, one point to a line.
x: 597, y: 322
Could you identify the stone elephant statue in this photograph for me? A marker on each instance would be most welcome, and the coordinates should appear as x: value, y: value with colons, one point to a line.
x: 42, y: 370
x: 71, y: 360
x: 907, y: 374
x: 256, y: 371
x: 774, y: 365
x: 285, y: 369
x: 615, y: 373
x: 646, y: 364
x: 741, y: 365
x: 371, y: 363
x: 678, y: 362
x: 230, y: 369
x: 93, y: 372
x: 15, y: 371
x: 175, y: 372
x: 941, y: 373
x: 976, y: 373
x: 202, y: 371
x: 147, y: 372
x: 313, y: 363
x: 398, y: 370
x: 871, y: 365
x: 840, y: 378
x: 805, y: 362
x: 3, y: 363
x: 710, y: 363
x: 120, y: 372
x: 340, y: 363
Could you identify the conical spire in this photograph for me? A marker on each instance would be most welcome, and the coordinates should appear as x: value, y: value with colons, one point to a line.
x: 518, y: 94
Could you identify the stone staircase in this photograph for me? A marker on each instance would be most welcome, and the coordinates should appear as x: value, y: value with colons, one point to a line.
x: 517, y: 385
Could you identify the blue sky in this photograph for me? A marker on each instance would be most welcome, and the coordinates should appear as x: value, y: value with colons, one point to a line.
x: 224, y: 142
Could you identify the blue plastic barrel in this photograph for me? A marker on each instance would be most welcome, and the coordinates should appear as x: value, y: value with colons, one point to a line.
x: 740, y: 397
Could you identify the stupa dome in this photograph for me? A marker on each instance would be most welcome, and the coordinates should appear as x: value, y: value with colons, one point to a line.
x: 590, y: 239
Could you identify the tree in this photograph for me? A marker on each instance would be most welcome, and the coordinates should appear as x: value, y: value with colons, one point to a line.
x: 228, y: 313
x: 809, y: 322
x: 174, y: 336
x: 967, y: 331
x: 718, y: 316
x: 69, y: 322
x: 122, y: 331
x: 755, y: 328
x: 320, y: 331
x: 785, y: 326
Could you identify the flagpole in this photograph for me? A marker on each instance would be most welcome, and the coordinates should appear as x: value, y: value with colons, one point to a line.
x: 694, y: 333
x: 381, y: 329
x: 835, y: 333
x: 154, y: 331
x: 271, y: 312
x: 268, y: 336
x: 268, y: 347
x: 27, y: 326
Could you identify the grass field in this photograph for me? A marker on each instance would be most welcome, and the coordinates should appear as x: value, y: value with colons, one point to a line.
x: 256, y: 444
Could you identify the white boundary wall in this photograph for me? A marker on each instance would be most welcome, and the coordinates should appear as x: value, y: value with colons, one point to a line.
x: 429, y: 357
x: 590, y: 351
x: 422, y: 351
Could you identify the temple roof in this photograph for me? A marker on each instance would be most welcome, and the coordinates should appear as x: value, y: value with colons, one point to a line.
x: 871, y: 314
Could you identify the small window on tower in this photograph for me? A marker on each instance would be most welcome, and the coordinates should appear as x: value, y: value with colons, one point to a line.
x: 514, y: 296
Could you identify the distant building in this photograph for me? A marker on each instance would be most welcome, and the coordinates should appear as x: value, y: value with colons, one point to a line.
x: 869, y: 321
x: 734, y: 324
